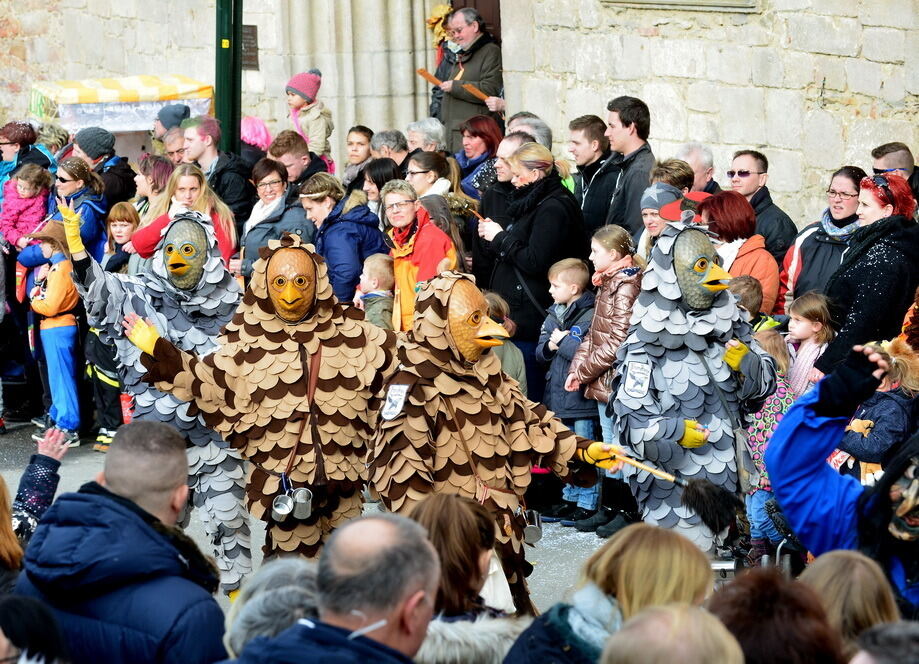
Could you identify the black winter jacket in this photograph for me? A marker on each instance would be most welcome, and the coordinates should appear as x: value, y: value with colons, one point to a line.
x: 492, y: 206
x: 118, y: 178
x: 874, y: 287
x: 566, y: 405
x: 550, y: 640
x: 230, y: 181
x: 596, y: 196
x: 633, y: 178
x: 546, y: 226
x: 773, y: 224
x: 316, y: 165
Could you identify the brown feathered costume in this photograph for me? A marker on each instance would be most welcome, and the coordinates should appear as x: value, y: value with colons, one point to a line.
x: 453, y: 422
x: 253, y: 391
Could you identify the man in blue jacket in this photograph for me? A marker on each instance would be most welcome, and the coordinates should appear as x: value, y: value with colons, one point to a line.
x: 831, y: 511
x: 126, y: 585
x: 377, y: 583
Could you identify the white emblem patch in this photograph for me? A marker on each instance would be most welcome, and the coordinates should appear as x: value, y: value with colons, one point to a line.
x: 637, y: 379
x: 395, y: 400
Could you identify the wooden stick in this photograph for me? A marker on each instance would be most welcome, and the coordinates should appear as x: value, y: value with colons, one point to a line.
x: 657, y: 472
x: 474, y: 91
x: 428, y: 76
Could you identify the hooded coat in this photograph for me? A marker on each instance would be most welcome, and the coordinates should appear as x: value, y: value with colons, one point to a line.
x: 662, y: 380
x: 192, y: 320
x: 485, y: 453
x: 252, y: 391
x: 345, y: 239
x: 124, y: 587
x: 118, y: 180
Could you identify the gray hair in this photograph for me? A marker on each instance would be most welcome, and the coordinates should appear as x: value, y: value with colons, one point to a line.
x: 174, y: 134
x: 891, y: 643
x: 398, y: 187
x: 470, y: 15
x: 538, y: 128
x: 432, y: 131
x: 687, y: 150
x: 277, y: 596
x: 391, y: 138
x: 375, y: 579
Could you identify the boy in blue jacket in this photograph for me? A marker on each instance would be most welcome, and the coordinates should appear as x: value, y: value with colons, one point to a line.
x: 561, y: 334
x: 830, y: 511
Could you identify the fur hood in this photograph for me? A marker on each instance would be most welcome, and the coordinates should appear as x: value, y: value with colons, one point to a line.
x: 484, y: 640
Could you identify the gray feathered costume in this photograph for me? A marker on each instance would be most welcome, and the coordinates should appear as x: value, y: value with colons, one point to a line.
x: 189, y: 306
x: 681, y: 321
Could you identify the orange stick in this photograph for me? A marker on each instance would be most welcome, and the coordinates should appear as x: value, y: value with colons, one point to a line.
x: 428, y: 76
x: 474, y: 91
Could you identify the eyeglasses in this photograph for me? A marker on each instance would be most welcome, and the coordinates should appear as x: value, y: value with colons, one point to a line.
x: 60, y: 179
x: 877, y: 171
x: 832, y: 193
x: 399, y: 205
x: 417, y: 172
x: 7, y: 143
x: 884, y: 184
x: 743, y: 174
x: 264, y: 186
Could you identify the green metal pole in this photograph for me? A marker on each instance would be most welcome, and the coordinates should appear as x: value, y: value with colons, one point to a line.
x: 228, y: 71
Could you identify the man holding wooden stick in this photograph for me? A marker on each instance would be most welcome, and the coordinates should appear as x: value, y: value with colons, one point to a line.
x: 478, y: 63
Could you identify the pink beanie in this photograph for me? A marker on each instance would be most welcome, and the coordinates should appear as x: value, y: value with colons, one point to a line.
x: 306, y: 85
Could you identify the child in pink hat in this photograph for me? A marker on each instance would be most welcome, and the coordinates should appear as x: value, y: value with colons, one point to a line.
x: 312, y: 120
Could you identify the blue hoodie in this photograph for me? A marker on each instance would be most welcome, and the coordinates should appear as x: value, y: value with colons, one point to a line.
x: 125, y: 587
x: 344, y: 240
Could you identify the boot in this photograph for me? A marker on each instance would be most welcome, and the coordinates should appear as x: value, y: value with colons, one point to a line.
x: 759, y: 547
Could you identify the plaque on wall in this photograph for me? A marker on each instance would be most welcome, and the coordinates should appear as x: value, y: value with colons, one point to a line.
x: 250, y: 47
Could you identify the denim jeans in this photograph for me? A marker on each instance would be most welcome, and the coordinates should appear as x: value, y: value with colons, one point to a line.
x: 585, y: 497
x: 609, y: 435
x: 761, y: 526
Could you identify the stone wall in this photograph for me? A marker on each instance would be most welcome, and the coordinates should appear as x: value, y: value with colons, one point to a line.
x: 814, y: 84
x: 368, y: 51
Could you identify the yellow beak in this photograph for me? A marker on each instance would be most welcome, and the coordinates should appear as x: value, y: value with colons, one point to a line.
x: 178, y: 265
x: 290, y: 295
x: 490, y: 334
x: 717, y: 278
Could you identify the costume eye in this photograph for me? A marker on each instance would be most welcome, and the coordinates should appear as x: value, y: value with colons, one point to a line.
x: 170, y: 249
x: 701, y: 265
x: 475, y: 318
x: 188, y: 250
x: 279, y: 282
x: 301, y: 282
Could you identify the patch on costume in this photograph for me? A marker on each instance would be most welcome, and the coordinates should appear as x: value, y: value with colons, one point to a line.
x: 637, y: 379
x: 395, y: 400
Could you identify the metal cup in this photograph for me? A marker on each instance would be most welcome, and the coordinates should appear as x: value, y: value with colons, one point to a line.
x: 281, y: 507
x: 303, y: 503
x: 532, y: 531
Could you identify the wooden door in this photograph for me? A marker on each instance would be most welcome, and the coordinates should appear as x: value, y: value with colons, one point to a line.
x: 490, y: 11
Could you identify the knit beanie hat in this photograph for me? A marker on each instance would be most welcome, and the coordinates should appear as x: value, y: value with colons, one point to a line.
x: 658, y: 195
x: 95, y: 142
x: 172, y: 115
x: 306, y: 85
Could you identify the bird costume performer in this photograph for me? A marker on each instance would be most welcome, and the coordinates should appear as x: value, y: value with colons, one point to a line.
x: 453, y: 422
x: 189, y: 296
x: 688, y: 374
x: 292, y: 387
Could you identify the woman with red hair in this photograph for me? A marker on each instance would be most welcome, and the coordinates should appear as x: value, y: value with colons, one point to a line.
x: 875, y: 283
x: 476, y: 160
x: 729, y: 216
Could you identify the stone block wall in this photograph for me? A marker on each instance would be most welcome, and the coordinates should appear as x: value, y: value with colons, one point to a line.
x: 368, y: 51
x: 814, y: 84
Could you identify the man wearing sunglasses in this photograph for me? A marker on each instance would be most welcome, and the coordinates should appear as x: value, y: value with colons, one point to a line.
x: 896, y: 159
x: 748, y: 175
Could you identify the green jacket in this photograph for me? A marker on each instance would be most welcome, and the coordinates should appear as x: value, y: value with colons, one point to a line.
x: 378, y: 309
x: 512, y: 363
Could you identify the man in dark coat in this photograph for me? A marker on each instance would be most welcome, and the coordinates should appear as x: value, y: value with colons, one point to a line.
x: 595, y: 180
x: 628, y: 125
x: 478, y: 62
x: 896, y: 159
x: 700, y: 159
x: 749, y: 173
x: 377, y: 582
x: 289, y: 148
x: 226, y: 173
x: 125, y: 583
x: 96, y: 146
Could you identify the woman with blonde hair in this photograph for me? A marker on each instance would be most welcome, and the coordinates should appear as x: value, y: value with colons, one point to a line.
x: 347, y: 231
x: 187, y: 189
x: 545, y: 226
x: 854, y: 592
x: 639, y: 567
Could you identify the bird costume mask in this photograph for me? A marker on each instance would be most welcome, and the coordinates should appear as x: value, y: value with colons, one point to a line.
x: 698, y: 275
x: 185, y: 253
x: 291, y: 284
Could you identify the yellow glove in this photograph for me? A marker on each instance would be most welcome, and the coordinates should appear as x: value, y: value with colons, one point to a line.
x: 694, y: 435
x: 142, y: 334
x: 72, y: 223
x: 601, y: 455
x: 734, y: 354
x: 863, y: 427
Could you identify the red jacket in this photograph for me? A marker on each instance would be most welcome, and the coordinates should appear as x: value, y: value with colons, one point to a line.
x: 146, y: 239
